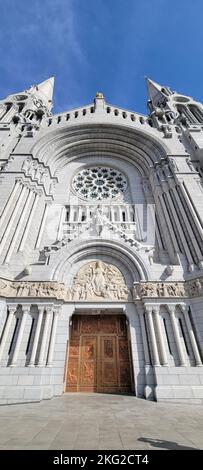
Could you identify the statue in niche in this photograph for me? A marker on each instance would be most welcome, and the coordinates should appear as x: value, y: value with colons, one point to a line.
x: 98, y: 219
x: 101, y: 281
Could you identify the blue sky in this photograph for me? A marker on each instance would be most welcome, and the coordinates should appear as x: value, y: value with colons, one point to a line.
x: 101, y: 45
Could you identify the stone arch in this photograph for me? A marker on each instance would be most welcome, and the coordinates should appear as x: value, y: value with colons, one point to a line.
x: 62, y: 263
x: 60, y: 146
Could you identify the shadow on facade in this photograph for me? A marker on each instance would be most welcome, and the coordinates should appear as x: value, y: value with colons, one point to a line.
x: 167, y: 445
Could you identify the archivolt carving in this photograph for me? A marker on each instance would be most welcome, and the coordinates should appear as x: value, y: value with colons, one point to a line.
x: 99, y: 281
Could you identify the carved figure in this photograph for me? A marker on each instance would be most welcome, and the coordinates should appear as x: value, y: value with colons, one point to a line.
x: 100, y: 280
x: 173, y: 164
x: 26, y: 164
x: 32, y: 169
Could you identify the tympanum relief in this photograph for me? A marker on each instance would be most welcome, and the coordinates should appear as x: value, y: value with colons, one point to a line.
x: 99, y: 281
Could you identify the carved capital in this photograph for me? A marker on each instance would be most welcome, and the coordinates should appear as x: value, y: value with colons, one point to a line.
x: 12, y: 309
x: 171, y: 308
x: 40, y: 308
x: 184, y: 308
x: 49, y: 310
x: 148, y: 309
x: 57, y: 310
x: 26, y: 309
x: 156, y: 309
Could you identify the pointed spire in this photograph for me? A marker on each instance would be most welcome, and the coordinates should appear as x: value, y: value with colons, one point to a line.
x: 155, y: 91
x: 45, y: 91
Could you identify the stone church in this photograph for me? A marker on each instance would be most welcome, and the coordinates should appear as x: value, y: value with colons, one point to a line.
x: 101, y: 248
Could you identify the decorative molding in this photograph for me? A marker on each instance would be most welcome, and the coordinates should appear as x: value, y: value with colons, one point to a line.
x: 35, y: 170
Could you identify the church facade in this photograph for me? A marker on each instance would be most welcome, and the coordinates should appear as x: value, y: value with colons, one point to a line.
x: 101, y: 248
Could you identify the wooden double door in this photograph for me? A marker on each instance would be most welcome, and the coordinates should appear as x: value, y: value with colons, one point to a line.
x: 99, y: 355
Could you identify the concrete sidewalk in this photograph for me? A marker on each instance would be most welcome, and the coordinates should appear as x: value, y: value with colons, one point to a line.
x: 97, y: 421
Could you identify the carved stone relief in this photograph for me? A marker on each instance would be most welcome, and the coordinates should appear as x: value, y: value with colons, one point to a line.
x: 99, y: 281
x: 159, y: 289
x: 35, y: 170
x: 195, y: 288
x: 34, y: 289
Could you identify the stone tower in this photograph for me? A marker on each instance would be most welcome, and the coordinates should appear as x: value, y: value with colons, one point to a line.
x: 101, y: 249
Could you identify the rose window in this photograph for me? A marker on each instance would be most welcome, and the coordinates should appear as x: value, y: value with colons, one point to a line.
x: 99, y: 183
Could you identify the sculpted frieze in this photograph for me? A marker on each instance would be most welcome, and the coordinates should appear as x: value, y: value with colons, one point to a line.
x: 99, y: 281
x: 159, y: 289
x: 33, y: 289
x: 194, y: 288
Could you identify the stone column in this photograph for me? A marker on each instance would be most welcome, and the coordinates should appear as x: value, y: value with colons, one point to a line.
x: 12, y: 219
x: 25, y: 312
x: 9, y: 203
x: 62, y: 221
x: 112, y: 213
x: 180, y: 230
x: 144, y: 336
x: 41, y: 361
x: 11, y: 311
x: 29, y: 221
x: 171, y: 309
x: 19, y: 226
x: 120, y: 211
x: 36, y: 337
x: 128, y: 214
x: 10, y: 113
x: 148, y: 310
x: 195, y: 349
x: 160, y: 336
x: 53, y: 338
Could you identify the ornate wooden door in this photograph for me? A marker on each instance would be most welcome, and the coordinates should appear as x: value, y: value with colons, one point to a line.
x: 98, y: 359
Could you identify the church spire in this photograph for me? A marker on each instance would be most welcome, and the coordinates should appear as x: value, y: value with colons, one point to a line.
x: 44, y: 91
x: 156, y: 92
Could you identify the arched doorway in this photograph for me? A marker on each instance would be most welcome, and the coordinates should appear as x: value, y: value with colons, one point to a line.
x: 99, y: 358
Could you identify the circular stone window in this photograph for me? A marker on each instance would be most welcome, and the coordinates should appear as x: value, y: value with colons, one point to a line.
x: 20, y: 97
x: 181, y: 99
x: 99, y: 183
